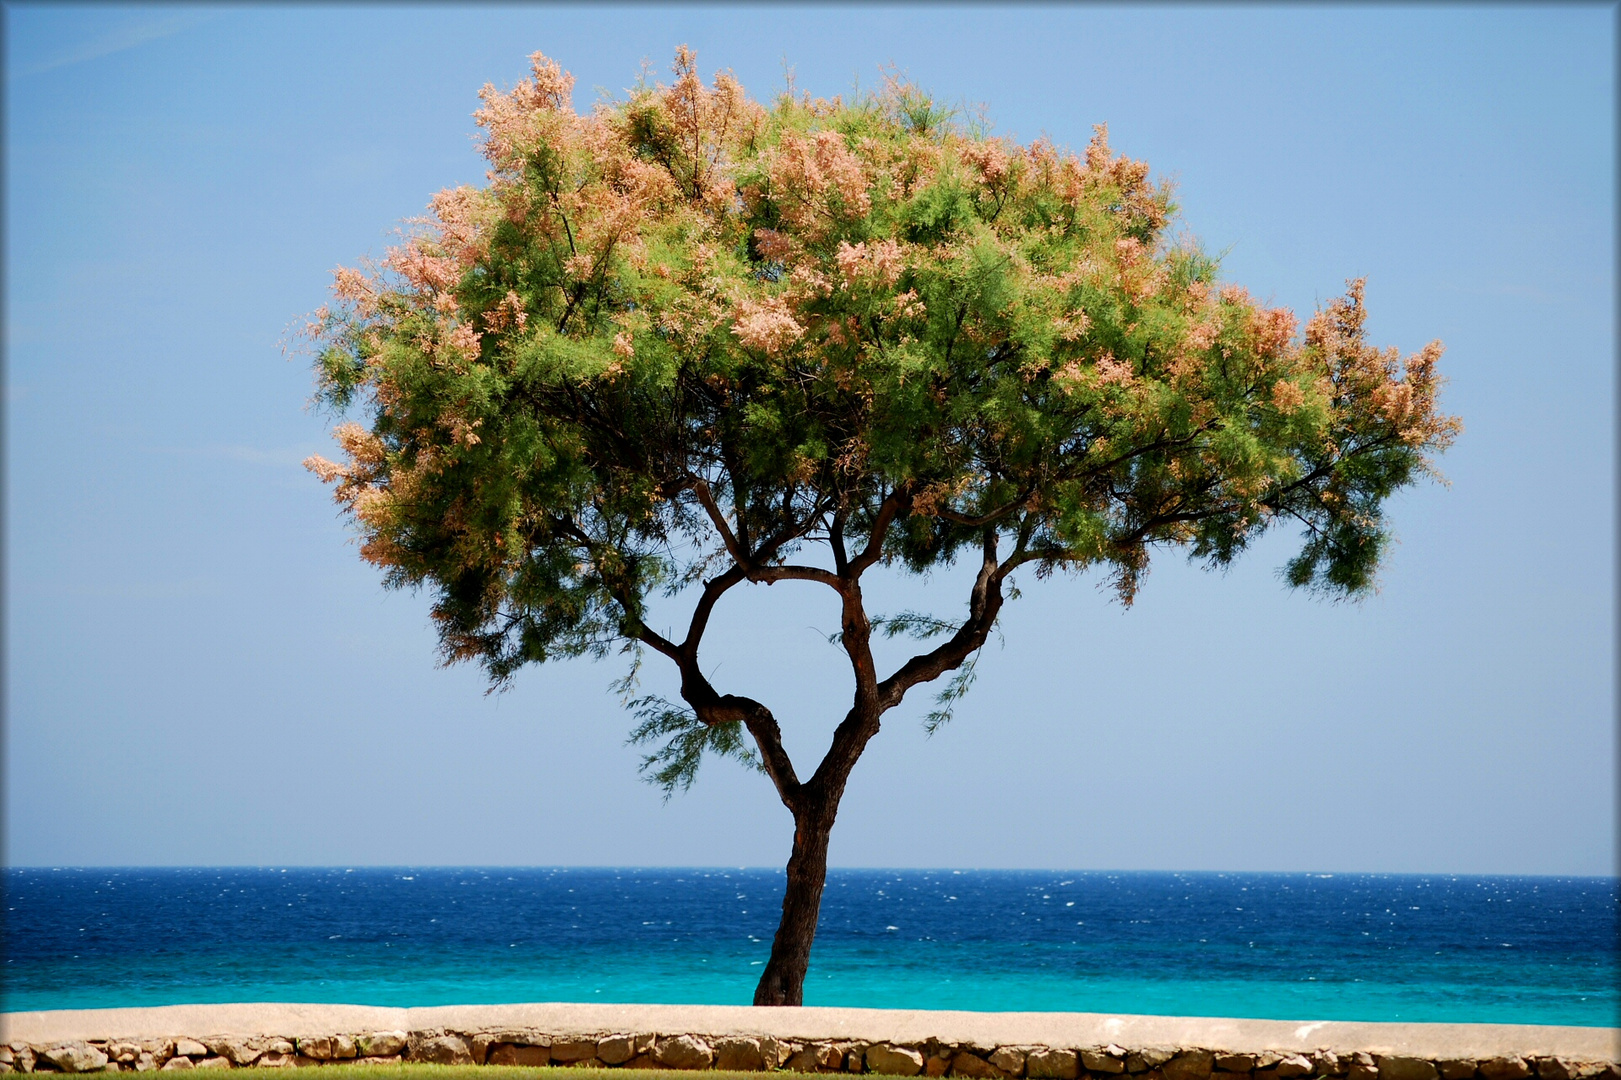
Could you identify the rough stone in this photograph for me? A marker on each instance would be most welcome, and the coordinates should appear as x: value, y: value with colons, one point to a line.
x: 380, y: 1044
x: 1294, y: 1065
x: 1111, y: 1059
x: 317, y: 1047
x: 893, y: 1060
x: 74, y: 1057
x: 971, y: 1065
x: 508, y: 1054
x: 24, y: 1059
x: 618, y: 1049
x: 1268, y: 1058
x: 775, y: 1051
x: 1550, y: 1068
x: 1010, y: 1059
x: 1148, y: 1057
x: 179, y: 1061
x: 190, y: 1048
x: 738, y: 1055
x: 220, y: 1062
x: 1044, y: 1063
x: 443, y: 1050
x: 568, y: 1051
x: 343, y: 1046
x: 145, y: 1061
x: 683, y: 1052
x: 1235, y: 1063
x: 236, y: 1051
x: 1328, y: 1063
x: 1505, y: 1068
x: 805, y: 1060
x: 1406, y: 1068
x: 270, y: 1059
x: 278, y: 1046
x: 936, y: 1066
x: 1190, y: 1065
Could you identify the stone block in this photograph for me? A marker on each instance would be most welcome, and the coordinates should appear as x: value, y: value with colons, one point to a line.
x: 936, y: 1066
x: 1293, y: 1066
x: 236, y: 1051
x: 965, y: 1064
x: 568, y: 1051
x: 343, y: 1046
x: 1145, y: 1058
x: 683, y: 1052
x: 1010, y: 1059
x: 380, y: 1044
x: 1045, y: 1063
x: 1548, y: 1068
x: 316, y: 1047
x: 75, y: 1057
x: 894, y: 1060
x: 145, y: 1061
x: 776, y: 1052
x: 179, y: 1061
x: 805, y: 1060
x: 618, y: 1049
x: 508, y: 1054
x: 738, y: 1054
x: 270, y: 1059
x: 1394, y: 1067
x: 1111, y: 1059
x: 1190, y: 1065
x: 1505, y: 1068
x: 1328, y: 1063
x: 443, y: 1050
x: 1235, y: 1063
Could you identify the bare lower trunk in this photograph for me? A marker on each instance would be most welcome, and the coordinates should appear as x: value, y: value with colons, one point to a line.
x: 783, y: 982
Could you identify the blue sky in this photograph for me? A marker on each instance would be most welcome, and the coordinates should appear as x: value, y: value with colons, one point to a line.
x: 200, y: 670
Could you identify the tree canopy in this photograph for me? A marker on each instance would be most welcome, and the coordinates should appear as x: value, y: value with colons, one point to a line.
x: 684, y: 339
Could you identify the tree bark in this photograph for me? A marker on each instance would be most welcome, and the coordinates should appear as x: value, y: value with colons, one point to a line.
x: 783, y: 982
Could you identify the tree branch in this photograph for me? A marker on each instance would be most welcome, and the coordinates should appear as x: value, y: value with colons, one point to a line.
x: 984, y: 602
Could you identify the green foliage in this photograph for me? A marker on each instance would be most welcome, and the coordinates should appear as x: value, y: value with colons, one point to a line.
x: 673, y: 766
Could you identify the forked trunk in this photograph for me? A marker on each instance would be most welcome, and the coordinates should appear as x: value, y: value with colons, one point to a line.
x: 783, y: 982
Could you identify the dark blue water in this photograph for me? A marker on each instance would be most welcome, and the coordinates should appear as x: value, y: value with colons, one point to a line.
x: 1309, y: 947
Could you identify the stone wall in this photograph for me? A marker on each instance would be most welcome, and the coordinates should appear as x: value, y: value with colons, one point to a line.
x: 980, y: 1046
x: 756, y: 1053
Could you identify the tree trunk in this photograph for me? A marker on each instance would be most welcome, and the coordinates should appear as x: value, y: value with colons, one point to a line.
x: 783, y: 982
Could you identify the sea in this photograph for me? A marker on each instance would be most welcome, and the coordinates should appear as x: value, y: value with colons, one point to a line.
x: 1521, y: 950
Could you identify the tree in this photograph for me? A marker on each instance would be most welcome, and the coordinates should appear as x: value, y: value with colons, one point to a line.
x: 684, y: 342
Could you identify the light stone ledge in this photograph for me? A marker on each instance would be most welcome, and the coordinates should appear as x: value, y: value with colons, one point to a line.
x: 979, y: 1045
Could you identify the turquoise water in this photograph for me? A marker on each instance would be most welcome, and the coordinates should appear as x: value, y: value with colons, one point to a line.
x: 1352, y: 947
